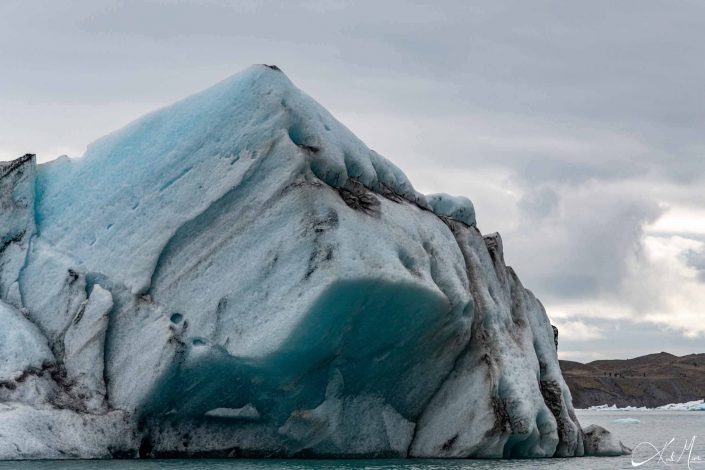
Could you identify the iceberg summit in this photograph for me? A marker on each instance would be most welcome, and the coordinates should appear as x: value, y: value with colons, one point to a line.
x: 238, y: 275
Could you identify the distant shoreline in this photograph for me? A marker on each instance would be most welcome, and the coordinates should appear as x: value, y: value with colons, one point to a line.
x: 647, y: 382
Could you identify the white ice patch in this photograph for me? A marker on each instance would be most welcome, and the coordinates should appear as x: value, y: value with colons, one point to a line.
x: 697, y: 405
x: 22, y: 345
x: 247, y: 412
x: 84, y: 344
x: 626, y: 421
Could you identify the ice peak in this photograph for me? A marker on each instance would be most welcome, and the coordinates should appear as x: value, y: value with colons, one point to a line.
x: 170, y: 165
x: 273, y: 67
x: 269, y: 77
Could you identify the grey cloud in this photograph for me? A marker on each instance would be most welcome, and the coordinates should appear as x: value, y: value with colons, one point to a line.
x: 696, y: 260
x: 553, y: 169
x: 583, y: 247
x: 635, y: 339
x: 540, y: 203
x: 568, y: 66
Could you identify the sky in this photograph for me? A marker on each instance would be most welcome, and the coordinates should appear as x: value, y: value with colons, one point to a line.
x: 576, y: 128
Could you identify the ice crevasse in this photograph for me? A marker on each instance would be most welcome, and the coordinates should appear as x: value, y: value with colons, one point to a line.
x: 238, y: 275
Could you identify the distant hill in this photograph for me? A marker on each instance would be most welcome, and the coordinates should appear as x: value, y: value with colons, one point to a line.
x: 651, y: 380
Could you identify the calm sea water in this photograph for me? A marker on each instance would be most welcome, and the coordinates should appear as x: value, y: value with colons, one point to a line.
x: 656, y: 428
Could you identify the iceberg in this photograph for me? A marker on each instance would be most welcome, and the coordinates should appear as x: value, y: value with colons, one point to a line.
x: 600, y: 441
x: 697, y: 405
x: 238, y: 275
x: 626, y: 421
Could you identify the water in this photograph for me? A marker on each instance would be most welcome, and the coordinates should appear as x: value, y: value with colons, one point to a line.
x: 656, y: 427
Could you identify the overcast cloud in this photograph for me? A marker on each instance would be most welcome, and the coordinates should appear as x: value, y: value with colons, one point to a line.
x: 576, y: 128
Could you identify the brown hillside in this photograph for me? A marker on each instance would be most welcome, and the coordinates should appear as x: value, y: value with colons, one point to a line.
x: 651, y: 380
